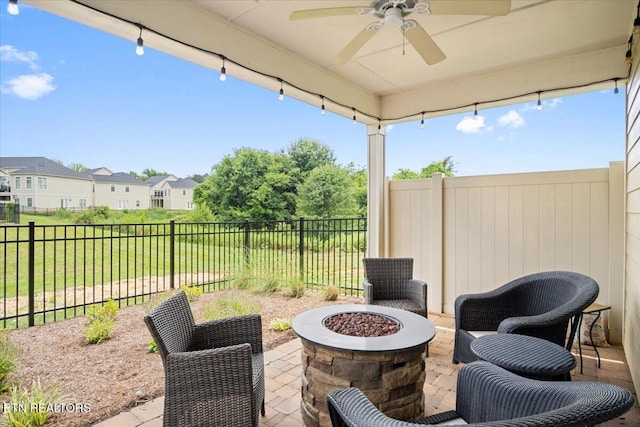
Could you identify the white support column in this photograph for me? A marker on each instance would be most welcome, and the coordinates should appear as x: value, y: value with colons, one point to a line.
x: 375, y: 190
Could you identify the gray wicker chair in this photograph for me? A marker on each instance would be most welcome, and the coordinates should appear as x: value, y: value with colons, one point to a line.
x: 542, y: 305
x: 389, y: 282
x: 214, y: 371
x: 488, y: 395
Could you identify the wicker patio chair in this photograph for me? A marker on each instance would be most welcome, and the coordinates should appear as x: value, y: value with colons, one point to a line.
x: 214, y: 371
x: 542, y: 305
x: 488, y: 395
x: 389, y: 282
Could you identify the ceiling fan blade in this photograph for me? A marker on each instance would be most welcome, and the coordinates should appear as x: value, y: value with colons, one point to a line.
x: 469, y: 7
x: 354, y: 45
x: 322, y: 13
x: 424, y: 44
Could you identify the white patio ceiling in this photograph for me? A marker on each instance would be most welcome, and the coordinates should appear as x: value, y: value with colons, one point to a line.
x: 548, y: 46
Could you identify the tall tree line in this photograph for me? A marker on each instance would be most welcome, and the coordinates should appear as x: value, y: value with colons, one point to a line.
x: 301, y: 180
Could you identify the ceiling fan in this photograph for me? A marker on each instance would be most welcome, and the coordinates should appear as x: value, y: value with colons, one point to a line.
x: 396, y: 11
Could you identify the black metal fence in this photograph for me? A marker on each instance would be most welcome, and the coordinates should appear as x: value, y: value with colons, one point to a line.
x: 9, y: 212
x: 53, y: 272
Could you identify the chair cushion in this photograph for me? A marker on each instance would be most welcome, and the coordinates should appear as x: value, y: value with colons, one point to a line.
x: 478, y: 334
x: 403, y: 304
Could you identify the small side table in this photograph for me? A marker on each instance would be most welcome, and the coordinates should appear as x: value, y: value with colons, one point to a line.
x: 526, y: 356
x: 597, y: 309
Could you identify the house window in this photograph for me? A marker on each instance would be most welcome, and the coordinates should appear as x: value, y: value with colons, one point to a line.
x: 137, y: 203
x: 28, y: 181
x: 18, y: 183
x: 113, y: 188
x: 42, y: 183
x: 184, y: 192
x: 122, y: 204
x: 29, y: 202
x: 126, y: 189
x: 82, y: 203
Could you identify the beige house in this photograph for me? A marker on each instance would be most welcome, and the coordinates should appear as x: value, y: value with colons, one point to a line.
x: 37, y: 183
x: 117, y: 191
x: 460, y: 56
x: 40, y: 183
x: 172, y: 193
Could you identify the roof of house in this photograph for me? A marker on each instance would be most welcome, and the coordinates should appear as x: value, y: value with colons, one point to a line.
x: 182, y: 183
x: 153, y: 180
x: 38, y: 166
x: 118, y: 177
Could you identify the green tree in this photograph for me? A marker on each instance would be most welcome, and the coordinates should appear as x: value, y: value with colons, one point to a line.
x: 250, y: 184
x: 446, y: 166
x: 359, y: 184
x: 197, y: 177
x: 326, y: 192
x: 149, y: 172
x: 308, y: 154
x: 78, y: 167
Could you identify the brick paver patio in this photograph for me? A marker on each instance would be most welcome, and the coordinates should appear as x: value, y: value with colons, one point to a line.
x: 282, y: 382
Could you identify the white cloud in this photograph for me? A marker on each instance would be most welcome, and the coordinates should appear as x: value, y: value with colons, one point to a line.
x: 29, y: 86
x: 512, y: 118
x: 552, y: 103
x: 547, y: 105
x: 9, y: 53
x: 472, y: 125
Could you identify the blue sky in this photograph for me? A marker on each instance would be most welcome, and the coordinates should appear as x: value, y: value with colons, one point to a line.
x: 72, y: 93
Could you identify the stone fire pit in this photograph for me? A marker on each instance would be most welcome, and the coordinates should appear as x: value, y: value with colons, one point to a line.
x: 388, y: 368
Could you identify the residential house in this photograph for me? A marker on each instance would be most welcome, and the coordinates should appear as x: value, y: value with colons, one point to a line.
x: 170, y: 192
x: 37, y: 182
x: 117, y: 190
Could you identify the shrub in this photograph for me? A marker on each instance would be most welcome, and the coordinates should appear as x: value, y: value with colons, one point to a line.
x: 331, y: 293
x: 279, y: 324
x: 31, y: 405
x: 107, y: 311
x: 192, y: 292
x: 153, y: 347
x: 228, y: 307
x: 98, y: 331
x: 101, y: 322
x: 9, y: 358
x: 297, y: 288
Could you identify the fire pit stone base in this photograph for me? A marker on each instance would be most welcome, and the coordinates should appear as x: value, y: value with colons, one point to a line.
x: 392, y: 380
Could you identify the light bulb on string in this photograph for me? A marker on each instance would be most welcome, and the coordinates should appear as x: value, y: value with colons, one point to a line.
x: 223, y: 72
x: 616, y: 90
x: 13, y: 8
x: 539, y: 103
x: 354, y: 116
x: 323, y: 110
x: 475, y: 111
x: 281, y: 93
x: 422, y: 122
x: 140, y: 44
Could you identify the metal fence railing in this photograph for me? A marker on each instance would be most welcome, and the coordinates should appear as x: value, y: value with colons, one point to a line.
x: 9, y: 212
x: 53, y: 272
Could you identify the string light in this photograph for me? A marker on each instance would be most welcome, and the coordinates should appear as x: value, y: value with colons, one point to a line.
x: 13, y: 8
x: 628, y: 60
x: 616, y: 90
x: 323, y: 111
x: 379, y: 127
x: 422, y: 121
x: 140, y: 43
x: 223, y: 71
x: 539, y: 105
x: 475, y: 111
